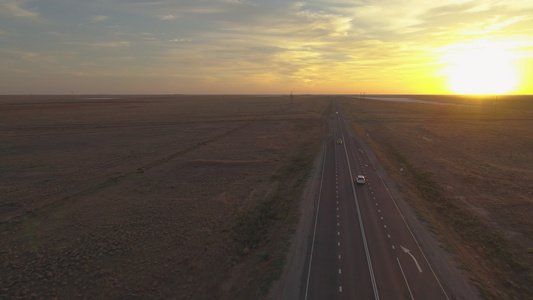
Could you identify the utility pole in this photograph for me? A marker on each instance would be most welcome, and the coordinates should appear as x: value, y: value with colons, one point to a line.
x: 291, y: 97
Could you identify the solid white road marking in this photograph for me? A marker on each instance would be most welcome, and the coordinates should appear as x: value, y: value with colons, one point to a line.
x: 407, y: 283
x: 316, y: 221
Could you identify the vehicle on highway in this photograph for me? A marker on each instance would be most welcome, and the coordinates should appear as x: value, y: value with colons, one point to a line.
x: 360, y: 179
x: 339, y: 142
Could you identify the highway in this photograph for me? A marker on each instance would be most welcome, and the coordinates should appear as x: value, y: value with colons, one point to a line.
x: 361, y: 247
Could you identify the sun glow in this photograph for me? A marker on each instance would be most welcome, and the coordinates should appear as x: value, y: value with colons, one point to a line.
x: 481, y: 68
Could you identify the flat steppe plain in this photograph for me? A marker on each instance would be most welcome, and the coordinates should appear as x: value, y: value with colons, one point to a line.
x: 151, y: 196
x: 466, y: 167
x: 164, y: 196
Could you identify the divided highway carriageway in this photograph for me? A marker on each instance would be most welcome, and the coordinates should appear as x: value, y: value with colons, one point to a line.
x: 361, y: 247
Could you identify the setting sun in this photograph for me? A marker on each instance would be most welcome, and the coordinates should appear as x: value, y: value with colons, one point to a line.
x: 482, y: 68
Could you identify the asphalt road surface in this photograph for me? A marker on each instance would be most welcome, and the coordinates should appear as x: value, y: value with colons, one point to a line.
x: 362, y: 248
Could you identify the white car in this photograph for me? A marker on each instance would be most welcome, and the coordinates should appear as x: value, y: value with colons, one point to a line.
x: 360, y: 179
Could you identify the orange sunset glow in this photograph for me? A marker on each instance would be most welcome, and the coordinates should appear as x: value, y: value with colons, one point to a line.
x: 245, y: 46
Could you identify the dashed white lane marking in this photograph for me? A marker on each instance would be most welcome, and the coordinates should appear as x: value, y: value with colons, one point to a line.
x: 393, y: 247
x: 339, y: 256
x: 340, y: 271
x: 339, y: 243
x: 379, y: 210
x: 338, y: 233
x: 381, y: 218
x: 376, y: 204
x: 337, y: 216
x: 340, y: 289
x: 385, y: 226
x: 388, y: 235
x: 338, y: 224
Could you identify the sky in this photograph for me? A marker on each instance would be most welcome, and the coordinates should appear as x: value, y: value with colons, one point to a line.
x: 266, y: 47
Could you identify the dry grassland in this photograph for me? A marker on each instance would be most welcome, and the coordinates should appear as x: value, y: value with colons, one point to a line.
x: 188, y: 197
x: 468, y: 172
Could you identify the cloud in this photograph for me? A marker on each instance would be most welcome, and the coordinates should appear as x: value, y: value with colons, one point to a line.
x: 22, y: 55
x: 166, y: 17
x: 145, y: 2
x: 301, y: 43
x: 492, y: 25
x: 278, y: 42
x: 95, y: 19
x: 99, y: 44
x: 181, y: 40
x: 29, y: 56
x: 57, y: 34
x: 18, y: 8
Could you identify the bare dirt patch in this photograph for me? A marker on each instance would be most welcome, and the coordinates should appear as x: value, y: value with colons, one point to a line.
x: 467, y: 169
x: 150, y: 196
